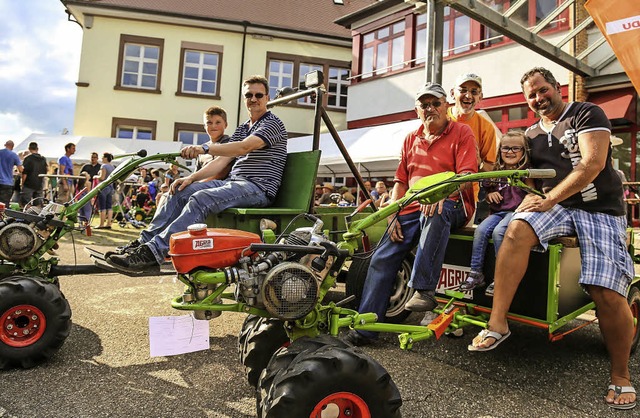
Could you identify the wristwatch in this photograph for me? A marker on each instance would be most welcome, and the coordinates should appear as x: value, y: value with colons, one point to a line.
x: 205, y: 148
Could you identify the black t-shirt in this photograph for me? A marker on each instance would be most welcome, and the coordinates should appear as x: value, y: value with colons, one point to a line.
x: 33, y: 166
x: 92, y: 170
x: 559, y: 149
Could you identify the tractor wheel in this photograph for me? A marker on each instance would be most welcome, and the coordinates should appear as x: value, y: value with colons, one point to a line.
x: 634, y: 303
x: 261, y: 341
x: 333, y: 382
x: 354, y: 284
x: 35, y: 319
x: 249, y: 322
x: 282, y: 358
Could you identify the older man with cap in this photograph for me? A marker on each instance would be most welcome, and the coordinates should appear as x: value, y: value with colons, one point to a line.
x: 325, y: 199
x: 8, y: 159
x: 437, y: 145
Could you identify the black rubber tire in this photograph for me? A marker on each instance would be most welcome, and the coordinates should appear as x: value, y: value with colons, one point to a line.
x: 41, y: 296
x: 284, y: 356
x: 262, y: 340
x: 633, y: 298
x: 332, y: 371
x: 249, y: 322
x: 354, y: 284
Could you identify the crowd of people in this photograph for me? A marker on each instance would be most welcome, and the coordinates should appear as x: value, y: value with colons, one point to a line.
x: 28, y: 180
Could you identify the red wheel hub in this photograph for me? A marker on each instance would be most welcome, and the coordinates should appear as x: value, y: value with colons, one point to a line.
x: 22, y: 325
x: 341, y: 405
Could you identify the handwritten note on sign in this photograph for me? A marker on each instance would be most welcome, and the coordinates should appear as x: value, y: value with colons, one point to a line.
x: 173, y: 335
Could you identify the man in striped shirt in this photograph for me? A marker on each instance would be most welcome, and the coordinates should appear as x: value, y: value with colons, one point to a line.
x: 259, y: 147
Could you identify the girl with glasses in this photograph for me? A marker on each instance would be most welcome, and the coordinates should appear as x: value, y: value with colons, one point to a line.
x: 503, y: 200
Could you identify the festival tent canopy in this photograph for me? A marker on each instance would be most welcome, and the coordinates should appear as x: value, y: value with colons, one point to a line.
x: 52, y: 146
x: 375, y: 150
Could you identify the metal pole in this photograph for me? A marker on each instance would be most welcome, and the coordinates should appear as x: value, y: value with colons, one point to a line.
x: 430, y: 42
x: 346, y: 156
x: 437, y: 39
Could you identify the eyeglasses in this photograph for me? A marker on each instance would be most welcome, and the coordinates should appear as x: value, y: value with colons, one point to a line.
x: 512, y: 149
x: 251, y: 95
x: 433, y: 105
x: 474, y: 92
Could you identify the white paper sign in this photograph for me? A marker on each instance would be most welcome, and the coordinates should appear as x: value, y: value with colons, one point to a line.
x: 173, y: 335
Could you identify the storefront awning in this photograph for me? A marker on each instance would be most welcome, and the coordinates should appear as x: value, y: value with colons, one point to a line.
x: 618, y: 104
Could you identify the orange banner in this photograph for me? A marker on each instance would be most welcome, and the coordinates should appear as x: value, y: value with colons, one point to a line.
x: 619, y: 21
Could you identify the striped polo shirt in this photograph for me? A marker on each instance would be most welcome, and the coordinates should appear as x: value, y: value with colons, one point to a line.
x: 263, y: 167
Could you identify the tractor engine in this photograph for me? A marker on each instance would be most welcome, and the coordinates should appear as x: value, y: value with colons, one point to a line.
x: 283, y: 278
x: 23, y: 233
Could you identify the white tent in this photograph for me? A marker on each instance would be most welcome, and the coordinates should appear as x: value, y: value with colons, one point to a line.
x: 52, y: 146
x: 374, y: 150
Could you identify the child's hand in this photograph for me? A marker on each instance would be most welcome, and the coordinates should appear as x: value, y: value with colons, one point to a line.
x: 494, y: 197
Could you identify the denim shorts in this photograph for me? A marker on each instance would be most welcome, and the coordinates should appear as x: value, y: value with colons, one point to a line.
x: 603, y: 250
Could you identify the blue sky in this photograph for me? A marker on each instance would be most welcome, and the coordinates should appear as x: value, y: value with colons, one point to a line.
x: 39, y: 61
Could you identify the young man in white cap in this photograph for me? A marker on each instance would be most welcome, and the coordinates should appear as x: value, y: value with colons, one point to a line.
x: 437, y: 145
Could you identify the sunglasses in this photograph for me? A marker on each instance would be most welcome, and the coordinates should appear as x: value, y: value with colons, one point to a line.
x: 433, y: 105
x: 512, y: 149
x: 251, y: 95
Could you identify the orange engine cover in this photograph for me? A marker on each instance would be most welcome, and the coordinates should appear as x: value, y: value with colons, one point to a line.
x: 200, y: 246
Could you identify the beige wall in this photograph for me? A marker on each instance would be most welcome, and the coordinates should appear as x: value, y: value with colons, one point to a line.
x: 98, y: 103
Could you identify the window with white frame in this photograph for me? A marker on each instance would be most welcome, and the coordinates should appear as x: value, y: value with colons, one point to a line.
x: 280, y: 75
x: 283, y: 69
x: 383, y: 49
x: 133, y: 128
x: 139, y: 65
x: 200, y: 69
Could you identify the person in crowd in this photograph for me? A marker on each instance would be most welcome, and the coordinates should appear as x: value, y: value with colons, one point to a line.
x: 8, y: 160
x: 161, y: 196
x: 382, y: 193
x: 317, y: 193
x: 325, y: 199
x: 105, y: 198
x: 260, y: 148
x: 65, y: 186
x: 503, y: 200
x: 584, y: 199
x: 346, y: 197
x: 372, y: 192
x: 34, y: 166
x: 437, y: 145
x: 172, y: 174
x: 90, y: 171
x: 466, y: 95
x: 144, y: 176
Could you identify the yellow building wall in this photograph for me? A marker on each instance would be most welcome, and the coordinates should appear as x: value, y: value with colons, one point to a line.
x: 98, y: 103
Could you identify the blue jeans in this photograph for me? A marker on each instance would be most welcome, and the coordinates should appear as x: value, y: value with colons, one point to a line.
x: 431, y: 234
x: 494, y: 226
x: 193, y: 204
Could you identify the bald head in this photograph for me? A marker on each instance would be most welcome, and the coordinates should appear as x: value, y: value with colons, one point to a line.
x: 9, y: 144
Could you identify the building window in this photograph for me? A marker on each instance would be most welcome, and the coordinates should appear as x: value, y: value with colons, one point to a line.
x: 383, y: 49
x: 133, y: 128
x: 200, y: 69
x: 283, y: 69
x: 140, y: 63
x: 398, y: 41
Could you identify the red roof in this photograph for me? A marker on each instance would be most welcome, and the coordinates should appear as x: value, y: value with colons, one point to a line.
x: 306, y: 16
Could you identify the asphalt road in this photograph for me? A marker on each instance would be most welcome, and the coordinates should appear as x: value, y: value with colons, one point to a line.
x: 104, y: 368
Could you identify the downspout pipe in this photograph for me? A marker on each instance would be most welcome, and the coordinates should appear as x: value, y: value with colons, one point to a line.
x: 245, y: 25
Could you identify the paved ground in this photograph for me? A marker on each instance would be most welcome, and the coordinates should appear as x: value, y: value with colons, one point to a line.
x: 104, y: 368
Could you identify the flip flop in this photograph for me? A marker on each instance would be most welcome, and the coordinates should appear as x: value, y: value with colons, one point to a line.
x: 484, y: 334
x: 617, y: 391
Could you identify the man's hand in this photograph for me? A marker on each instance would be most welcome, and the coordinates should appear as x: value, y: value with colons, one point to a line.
x: 191, y: 151
x: 180, y: 184
x: 494, y: 197
x: 535, y: 203
x: 395, y: 231
x: 430, y: 210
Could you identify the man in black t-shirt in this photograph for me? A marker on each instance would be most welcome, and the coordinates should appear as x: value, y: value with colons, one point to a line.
x: 34, y: 164
x: 584, y: 199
